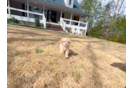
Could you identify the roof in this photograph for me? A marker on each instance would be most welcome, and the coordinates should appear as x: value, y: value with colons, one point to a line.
x: 61, y: 3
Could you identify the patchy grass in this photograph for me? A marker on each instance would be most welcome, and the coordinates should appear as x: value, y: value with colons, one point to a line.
x: 102, y: 43
x: 32, y: 63
x: 71, y: 45
x: 52, y: 43
x: 16, y: 53
x: 42, y: 39
x: 81, y: 65
x: 39, y: 51
x: 8, y: 41
x: 77, y: 76
x: 50, y: 63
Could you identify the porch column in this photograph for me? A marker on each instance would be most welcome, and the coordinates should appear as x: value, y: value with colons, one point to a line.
x: 44, y: 19
x: 79, y: 18
x: 79, y: 21
x: 46, y: 14
x: 86, y: 28
x: 61, y: 14
x: 43, y: 10
x: 9, y: 8
x: 28, y: 9
x: 49, y: 15
x: 71, y: 18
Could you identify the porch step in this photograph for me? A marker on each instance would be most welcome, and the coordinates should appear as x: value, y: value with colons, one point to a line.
x: 54, y: 27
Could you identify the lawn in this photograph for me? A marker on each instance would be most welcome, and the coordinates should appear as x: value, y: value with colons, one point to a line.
x: 34, y: 61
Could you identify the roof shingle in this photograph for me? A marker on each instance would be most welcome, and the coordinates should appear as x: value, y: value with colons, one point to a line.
x: 61, y: 3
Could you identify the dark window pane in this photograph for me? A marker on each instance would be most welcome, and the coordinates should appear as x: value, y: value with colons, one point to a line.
x: 70, y: 2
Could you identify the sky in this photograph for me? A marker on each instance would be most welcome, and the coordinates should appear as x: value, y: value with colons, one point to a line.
x: 106, y: 1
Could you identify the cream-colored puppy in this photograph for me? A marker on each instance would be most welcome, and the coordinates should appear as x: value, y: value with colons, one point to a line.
x: 64, y: 46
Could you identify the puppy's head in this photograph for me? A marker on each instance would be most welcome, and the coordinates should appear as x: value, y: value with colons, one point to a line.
x: 65, y: 42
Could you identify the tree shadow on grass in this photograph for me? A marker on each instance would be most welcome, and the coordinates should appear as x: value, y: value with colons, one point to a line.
x: 95, y: 74
x: 33, y: 39
x: 17, y: 31
x: 121, y: 66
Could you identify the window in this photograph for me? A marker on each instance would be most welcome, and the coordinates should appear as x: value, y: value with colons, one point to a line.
x: 44, y: 11
x: 70, y: 2
x: 36, y: 10
x: 30, y: 8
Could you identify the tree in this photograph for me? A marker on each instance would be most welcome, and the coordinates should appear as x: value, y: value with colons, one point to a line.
x: 93, y: 8
x: 116, y: 6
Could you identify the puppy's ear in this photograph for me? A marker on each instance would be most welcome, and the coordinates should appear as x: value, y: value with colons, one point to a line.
x: 61, y: 40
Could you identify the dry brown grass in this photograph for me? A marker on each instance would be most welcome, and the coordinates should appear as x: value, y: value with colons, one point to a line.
x: 93, y: 63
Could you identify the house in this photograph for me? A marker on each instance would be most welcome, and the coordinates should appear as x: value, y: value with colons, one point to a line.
x: 64, y: 13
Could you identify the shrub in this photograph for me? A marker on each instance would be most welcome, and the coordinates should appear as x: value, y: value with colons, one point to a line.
x: 37, y: 22
x: 114, y: 31
x: 12, y: 20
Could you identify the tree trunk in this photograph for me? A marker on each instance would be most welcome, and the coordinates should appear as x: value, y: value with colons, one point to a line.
x: 118, y: 10
x: 116, y: 6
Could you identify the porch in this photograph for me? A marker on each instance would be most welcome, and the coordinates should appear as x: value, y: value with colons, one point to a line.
x: 28, y: 10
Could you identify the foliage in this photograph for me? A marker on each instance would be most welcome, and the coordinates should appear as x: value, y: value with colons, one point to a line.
x: 12, y: 20
x: 37, y: 22
x: 102, y: 22
x: 117, y: 34
x: 93, y: 8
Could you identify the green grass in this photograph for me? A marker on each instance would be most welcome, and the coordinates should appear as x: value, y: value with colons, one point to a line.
x: 16, y: 53
x: 102, y: 43
x: 8, y: 41
x: 71, y: 45
x: 42, y: 39
x: 52, y: 43
x: 22, y: 36
x: 39, y: 51
x: 81, y: 66
x: 50, y: 63
x: 35, y: 26
x: 77, y: 76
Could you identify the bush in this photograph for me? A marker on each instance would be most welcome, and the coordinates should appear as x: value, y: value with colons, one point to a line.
x: 95, y: 32
x: 12, y: 20
x: 114, y: 31
x: 37, y: 22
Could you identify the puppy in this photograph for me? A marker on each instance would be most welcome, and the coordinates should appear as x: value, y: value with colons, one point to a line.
x: 64, y: 46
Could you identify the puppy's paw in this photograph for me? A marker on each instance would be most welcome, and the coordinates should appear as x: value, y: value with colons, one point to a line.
x: 66, y: 57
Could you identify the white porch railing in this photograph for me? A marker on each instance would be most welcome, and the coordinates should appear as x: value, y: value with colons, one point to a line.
x: 62, y: 23
x: 77, y: 27
x: 21, y: 18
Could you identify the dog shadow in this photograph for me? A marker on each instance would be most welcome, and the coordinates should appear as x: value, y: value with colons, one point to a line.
x: 72, y: 53
x: 121, y: 66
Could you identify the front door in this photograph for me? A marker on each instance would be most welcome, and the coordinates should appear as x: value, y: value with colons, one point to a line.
x: 53, y: 16
x: 76, y: 18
